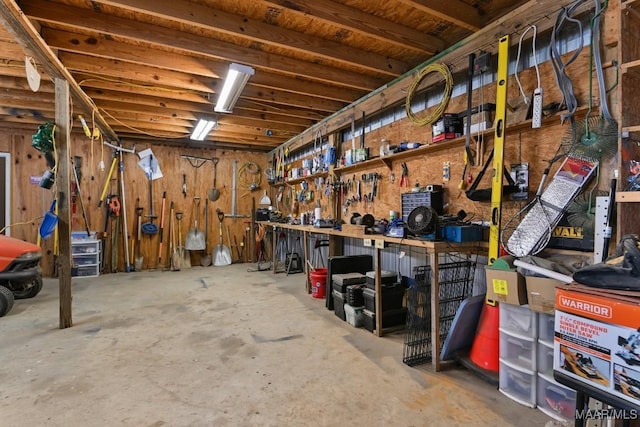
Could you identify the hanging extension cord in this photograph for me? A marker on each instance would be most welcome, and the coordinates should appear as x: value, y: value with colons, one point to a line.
x: 536, y: 119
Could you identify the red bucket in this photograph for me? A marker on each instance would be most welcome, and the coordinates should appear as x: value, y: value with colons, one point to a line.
x: 318, y: 282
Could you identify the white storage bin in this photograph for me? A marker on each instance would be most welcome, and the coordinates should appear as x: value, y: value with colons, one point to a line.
x: 354, y: 315
x: 85, y: 257
x: 518, y: 351
x: 517, y: 384
x: 519, y: 320
x: 545, y: 358
x: 556, y: 400
x: 545, y: 327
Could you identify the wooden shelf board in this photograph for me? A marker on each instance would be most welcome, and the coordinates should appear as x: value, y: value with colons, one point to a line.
x: 628, y: 197
x: 295, y: 181
x: 635, y: 128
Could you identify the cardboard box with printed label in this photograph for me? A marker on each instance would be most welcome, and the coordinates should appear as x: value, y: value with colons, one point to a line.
x: 541, y: 294
x: 597, y: 340
x: 506, y: 286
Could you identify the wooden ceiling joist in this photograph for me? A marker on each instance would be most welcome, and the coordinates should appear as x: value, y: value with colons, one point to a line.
x: 73, y: 17
x: 365, y: 24
x: 14, y: 20
x: 208, y: 18
x: 96, y: 45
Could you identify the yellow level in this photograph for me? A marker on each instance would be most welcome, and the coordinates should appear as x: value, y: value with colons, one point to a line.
x: 498, y: 148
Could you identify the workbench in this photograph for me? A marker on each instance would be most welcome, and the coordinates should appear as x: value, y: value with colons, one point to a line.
x: 433, y: 250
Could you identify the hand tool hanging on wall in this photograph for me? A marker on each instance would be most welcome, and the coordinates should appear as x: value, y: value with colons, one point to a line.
x: 164, y: 200
x: 124, y: 211
x: 468, y: 155
x: 184, y: 185
x: 498, y: 149
x: 181, y: 253
x: 174, y: 261
x: 404, y: 179
x: 107, y: 180
x: 149, y: 227
x: 214, y: 193
x: 84, y: 213
x: 222, y: 254
x: 205, y: 259
x: 138, y: 257
x: 114, y: 206
x: 195, y: 240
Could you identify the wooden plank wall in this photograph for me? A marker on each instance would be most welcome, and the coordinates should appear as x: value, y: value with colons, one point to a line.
x: 523, y: 144
x: 29, y: 201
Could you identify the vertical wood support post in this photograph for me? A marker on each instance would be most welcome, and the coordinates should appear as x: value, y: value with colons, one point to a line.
x: 62, y: 138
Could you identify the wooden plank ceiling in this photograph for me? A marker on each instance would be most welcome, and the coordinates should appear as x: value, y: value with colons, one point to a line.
x: 152, y: 68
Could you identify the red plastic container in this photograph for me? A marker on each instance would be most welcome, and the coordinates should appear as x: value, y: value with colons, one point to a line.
x: 318, y: 282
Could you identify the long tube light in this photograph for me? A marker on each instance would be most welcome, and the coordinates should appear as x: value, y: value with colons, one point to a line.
x: 237, y: 78
x: 202, y: 129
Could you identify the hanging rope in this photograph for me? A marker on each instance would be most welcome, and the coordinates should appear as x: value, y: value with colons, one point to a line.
x: 446, y: 96
x: 249, y: 176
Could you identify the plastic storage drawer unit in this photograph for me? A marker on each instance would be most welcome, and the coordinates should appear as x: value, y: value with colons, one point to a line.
x: 545, y: 358
x: 520, y: 352
x: 517, y: 384
x: 518, y: 320
x: 545, y: 327
x: 556, y: 400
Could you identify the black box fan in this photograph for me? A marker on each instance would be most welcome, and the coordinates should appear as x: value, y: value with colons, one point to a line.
x: 422, y: 220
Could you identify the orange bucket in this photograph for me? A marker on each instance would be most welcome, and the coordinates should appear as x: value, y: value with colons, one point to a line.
x: 318, y: 282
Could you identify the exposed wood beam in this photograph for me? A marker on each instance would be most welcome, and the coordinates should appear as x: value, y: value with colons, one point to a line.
x: 27, y: 36
x: 20, y: 83
x: 454, y: 11
x: 139, y: 73
x: 162, y: 130
x: 14, y: 68
x: 184, y: 81
x: 265, y: 107
x: 362, y: 23
x: 97, y: 45
x: 206, y: 145
x: 535, y: 10
x: 171, y: 105
x: 88, y: 19
x: 9, y: 50
x: 206, y: 17
x: 101, y: 83
x: 185, y: 126
x: 21, y: 97
x: 169, y: 115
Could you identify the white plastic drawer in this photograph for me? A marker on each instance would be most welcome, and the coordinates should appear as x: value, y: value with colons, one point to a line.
x: 518, y: 385
x: 518, y: 319
x: 518, y: 351
x: 88, y: 259
x: 545, y: 358
x: 556, y: 400
x: 545, y: 327
x: 86, y: 271
x: 88, y: 247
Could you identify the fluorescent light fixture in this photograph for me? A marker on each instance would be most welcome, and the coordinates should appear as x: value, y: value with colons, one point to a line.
x: 237, y: 77
x: 202, y: 129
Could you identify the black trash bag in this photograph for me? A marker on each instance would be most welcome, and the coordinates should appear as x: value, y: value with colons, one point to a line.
x: 42, y: 140
x: 621, y: 272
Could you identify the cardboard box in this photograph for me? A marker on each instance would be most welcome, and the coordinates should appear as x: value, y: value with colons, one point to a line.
x: 506, y: 286
x: 597, y: 340
x: 541, y: 294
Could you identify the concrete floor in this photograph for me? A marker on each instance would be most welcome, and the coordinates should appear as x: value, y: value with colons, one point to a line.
x: 220, y: 346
